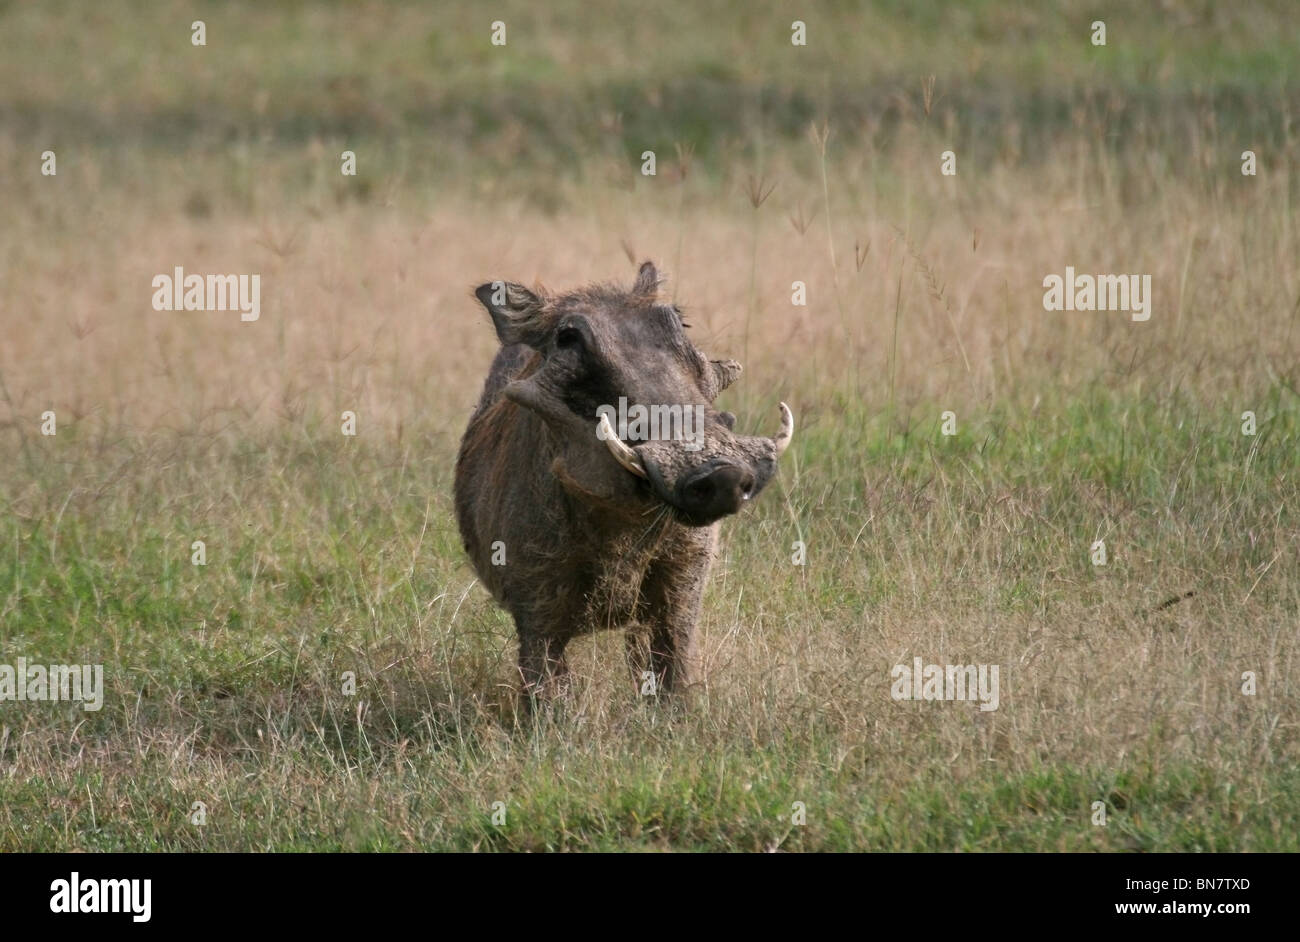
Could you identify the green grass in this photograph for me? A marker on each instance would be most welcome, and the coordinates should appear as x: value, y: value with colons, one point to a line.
x: 421, y: 96
x: 354, y: 567
x: 655, y: 805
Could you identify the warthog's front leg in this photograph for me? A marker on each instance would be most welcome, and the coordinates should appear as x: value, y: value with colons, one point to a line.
x: 542, y: 666
x: 669, y: 610
x: 662, y: 658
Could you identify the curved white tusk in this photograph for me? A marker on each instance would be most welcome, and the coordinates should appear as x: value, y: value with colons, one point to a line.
x: 622, y: 454
x: 782, y: 439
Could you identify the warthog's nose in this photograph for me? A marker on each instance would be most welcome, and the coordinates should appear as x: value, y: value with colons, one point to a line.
x: 715, y: 492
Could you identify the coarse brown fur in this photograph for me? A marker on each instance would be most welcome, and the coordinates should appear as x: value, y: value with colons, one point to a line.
x: 566, y: 539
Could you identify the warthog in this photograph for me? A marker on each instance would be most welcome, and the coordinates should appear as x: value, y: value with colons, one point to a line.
x: 573, y: 530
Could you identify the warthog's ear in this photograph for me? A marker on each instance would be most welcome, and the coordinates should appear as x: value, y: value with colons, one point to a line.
x: 725, y: 372
x: 516, y: 312
x: 647, y: 280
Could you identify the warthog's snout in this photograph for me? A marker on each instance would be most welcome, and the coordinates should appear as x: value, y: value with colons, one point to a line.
x: 704, y: 488
x: 714, y: 491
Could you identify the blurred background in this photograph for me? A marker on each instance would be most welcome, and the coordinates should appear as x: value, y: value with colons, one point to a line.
x: 477, y: 161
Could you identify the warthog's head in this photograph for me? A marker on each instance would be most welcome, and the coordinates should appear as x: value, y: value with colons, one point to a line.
x: 632, y: 400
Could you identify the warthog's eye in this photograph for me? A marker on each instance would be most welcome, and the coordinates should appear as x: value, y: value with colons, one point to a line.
x: 568, y: 336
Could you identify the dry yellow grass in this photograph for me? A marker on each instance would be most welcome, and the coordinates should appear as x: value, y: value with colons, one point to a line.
x: 371, y: 307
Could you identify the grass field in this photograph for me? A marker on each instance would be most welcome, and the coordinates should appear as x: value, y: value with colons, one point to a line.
x: 328, y: 554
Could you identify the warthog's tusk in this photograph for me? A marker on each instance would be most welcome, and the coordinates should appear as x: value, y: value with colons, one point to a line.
x: 782, y: 439
x: 622, y: 454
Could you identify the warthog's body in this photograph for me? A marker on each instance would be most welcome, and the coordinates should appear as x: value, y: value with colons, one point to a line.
x: 569, y: 536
